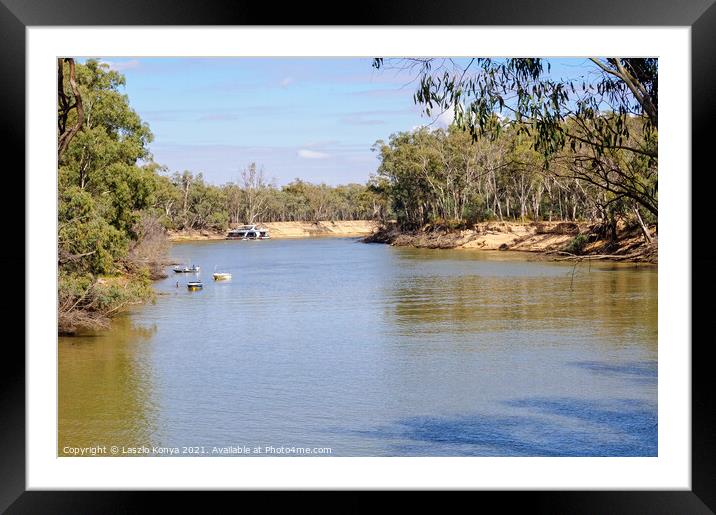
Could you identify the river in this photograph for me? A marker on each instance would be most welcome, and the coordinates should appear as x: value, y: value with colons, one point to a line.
x: 333, y: 347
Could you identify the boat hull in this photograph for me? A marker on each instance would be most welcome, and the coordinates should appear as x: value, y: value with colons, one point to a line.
x: 250, y: 232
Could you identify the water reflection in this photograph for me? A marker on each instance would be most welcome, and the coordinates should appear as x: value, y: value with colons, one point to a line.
x: 507, y: 295
x: 105, y: 387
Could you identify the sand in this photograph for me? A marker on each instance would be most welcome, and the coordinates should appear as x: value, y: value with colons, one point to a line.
x: 546, y: 238
x: 282, y: 230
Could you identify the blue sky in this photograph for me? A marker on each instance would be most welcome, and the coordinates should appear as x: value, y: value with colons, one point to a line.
x: 311, y: 118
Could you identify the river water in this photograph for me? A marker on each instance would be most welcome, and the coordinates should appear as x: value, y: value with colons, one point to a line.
x: 333, y: 347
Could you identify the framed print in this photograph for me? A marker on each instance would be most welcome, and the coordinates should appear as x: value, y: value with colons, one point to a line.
x: 416, y: 249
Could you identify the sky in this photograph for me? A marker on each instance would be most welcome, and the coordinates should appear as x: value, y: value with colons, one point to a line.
x: 310, y: 118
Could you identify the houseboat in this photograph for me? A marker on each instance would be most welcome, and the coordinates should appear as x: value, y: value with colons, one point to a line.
x: 248, y: 232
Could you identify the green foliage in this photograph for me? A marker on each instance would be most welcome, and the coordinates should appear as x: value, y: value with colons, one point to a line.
x: 99, y: 176
x: 476, y: 209
x: 87, y: 302
x: 109, y: 295
x: 446, y: 177
x: 87, y: 242
x: 186, y: 201
x: 602, y: 131
x: 577, y: 244
x: 103, y: 193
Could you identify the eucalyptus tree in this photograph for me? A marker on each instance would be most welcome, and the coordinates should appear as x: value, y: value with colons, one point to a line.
x: 404, y: 173
x: 256, y: 192
x: 112, y: 139
x: 106, y: 189
x: 101, y: 173
x: 608, y: 121
x: 70, y: 111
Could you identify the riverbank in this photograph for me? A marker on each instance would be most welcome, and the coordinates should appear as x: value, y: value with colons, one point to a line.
x: 283, y: 230
x: 551, y: 240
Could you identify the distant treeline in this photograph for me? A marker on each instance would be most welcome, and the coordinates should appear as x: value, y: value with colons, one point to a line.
x: 186, y: 201
x: 447, y: 177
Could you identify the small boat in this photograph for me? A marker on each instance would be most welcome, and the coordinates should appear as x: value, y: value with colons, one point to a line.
x: 221, y: 276
x: 195, y: 285
x: 186, y: 269
x: 248, y: 232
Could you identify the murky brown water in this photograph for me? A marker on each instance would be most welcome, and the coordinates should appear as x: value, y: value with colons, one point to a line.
x: 370, y: 350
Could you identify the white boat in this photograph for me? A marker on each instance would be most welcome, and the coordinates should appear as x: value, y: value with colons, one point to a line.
x: 221, y: 276
x: 195, y: 285
x: 248, y: 232
x: 182, y: 269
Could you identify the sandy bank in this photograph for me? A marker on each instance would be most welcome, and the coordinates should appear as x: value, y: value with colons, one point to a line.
x: 282, y: 230
x: 311, y: 229
x: 551, y: 239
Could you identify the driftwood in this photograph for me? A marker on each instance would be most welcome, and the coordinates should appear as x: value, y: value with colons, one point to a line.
x: 568, y: 256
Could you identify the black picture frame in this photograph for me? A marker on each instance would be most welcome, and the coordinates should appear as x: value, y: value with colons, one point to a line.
x: 700, y: 15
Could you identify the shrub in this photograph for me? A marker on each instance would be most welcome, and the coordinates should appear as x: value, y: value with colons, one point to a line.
x: 86, y: 302
x: 576, y: 246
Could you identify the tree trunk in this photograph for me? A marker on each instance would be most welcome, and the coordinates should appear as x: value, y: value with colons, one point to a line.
x: 644, y: 228
x: 66, y: 134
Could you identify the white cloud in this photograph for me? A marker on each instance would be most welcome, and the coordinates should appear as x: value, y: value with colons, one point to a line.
x: 445, y: 119
x: 286, y: 82
x: 442, y: 121
x: 312, y: 154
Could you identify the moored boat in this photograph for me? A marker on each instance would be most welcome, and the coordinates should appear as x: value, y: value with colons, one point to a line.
x: 194, y: 285
x: 248, y: 232
x: 182, y: 269
x: 221, y: 276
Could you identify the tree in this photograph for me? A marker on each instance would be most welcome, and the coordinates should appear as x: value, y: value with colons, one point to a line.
x: 66, y: 102
x: 168, y: 200
x: 235, y: 202
x: 112, y: 133
x: 107, y: 189
x: 255, y: 190
x: 87, y: 242
x: 444, y: 178
x: 609, y: 123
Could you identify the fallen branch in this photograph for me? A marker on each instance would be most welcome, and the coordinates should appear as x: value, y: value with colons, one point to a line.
x: 580, y: 257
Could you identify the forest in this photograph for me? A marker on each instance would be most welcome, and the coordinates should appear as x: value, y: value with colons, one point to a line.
x: 185, y: 201
x: 523, y: 147
x: 444, y: 177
